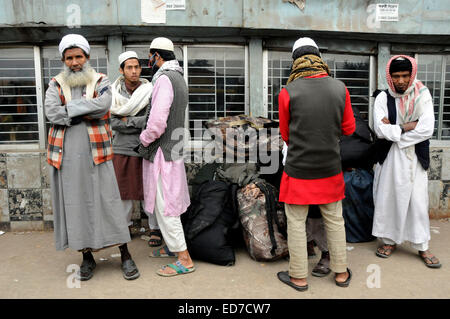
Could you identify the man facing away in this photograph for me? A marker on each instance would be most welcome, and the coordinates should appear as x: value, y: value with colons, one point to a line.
x: 165, y: 186
x: 404, y: 121
x: 314, y: 110
x: 130, y: 98
x: 88, y: 212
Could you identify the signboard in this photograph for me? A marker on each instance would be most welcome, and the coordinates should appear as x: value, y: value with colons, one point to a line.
x: 387, y: 12
x: 153, y: 11
x: 175, y: 4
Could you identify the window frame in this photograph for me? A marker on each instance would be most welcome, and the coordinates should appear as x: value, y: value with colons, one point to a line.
x: 192, y: 145
x: 372, y: 80
x: 24, y: 146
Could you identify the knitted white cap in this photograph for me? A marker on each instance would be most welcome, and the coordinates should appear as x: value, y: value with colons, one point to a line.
x: 127, y: 55
x: 74, y: 40
x: 304, y: 42
x: 162, y: 43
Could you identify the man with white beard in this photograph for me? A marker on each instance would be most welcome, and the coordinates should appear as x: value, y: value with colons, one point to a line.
x: 87, y: 210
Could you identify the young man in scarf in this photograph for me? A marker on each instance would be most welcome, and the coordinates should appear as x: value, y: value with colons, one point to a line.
x: 165, y: 184
x: 314, y: 110
x: 87, y: 210
x: 130, y: 98
x: 404, y: 121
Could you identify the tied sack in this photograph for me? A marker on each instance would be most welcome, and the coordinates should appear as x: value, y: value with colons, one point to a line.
x: 263, y: 221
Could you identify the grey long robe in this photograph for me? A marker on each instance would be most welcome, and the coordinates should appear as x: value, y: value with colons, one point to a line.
x: 87, y: 210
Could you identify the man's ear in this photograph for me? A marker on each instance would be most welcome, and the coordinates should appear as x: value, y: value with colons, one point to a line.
x: 121, y: 71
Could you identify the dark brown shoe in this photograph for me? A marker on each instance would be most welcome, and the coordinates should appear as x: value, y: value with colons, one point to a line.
x: 322, y: 268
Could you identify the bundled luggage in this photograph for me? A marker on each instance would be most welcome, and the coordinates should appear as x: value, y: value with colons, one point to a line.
x: 263, y: 221
x: 241, y: 136
x: 211, y: 223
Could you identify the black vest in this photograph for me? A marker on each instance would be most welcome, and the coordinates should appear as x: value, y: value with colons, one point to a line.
x: 316, y: 109
x: 383, y: 146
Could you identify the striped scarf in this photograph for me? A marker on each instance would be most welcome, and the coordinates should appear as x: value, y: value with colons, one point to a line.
x: 308, y: 65
x: 99, y: 131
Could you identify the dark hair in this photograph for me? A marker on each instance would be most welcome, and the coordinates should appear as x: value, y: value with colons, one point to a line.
x: 304, y: 50
x: 74, y: 47
x: 122, y: 65
x: 165, y: 54
x: 400, y: 65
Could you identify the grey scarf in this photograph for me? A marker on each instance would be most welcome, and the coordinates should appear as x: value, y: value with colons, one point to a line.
x: 168, y: 65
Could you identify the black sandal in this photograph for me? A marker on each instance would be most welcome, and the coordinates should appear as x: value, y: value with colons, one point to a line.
x: 322, y: 268
x: 87, y: 269
x: 129, y: 267
x: 285, y: 278
x: 155, y: 242
x: 345, y: 283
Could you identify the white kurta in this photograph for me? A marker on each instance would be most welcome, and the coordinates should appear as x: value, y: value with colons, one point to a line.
x: 400, y: 187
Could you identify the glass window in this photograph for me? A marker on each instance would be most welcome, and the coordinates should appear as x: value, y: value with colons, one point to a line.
x: 446, y: 102
x: 18, y: 105
x: 216, y: 81
x: 429, y: 71
x: 434, y: 72
x: 353, y: 70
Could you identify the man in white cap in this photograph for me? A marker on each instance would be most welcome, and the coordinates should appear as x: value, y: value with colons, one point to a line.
x: 87, y: 210
x: 165, y: 186
x: 130, y: 98
x: 314, y: 110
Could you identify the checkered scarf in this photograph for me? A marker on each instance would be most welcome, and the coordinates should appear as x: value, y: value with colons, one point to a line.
x: 99, y: 131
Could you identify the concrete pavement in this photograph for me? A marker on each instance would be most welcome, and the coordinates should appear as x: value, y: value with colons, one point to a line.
x: 30, y: 267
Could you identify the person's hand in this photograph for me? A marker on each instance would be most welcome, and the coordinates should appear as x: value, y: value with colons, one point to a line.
x: 409, y: 126
x: 385, y: 120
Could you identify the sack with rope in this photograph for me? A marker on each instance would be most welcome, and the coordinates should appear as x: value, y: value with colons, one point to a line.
x: 242, y: 136
x: 263, y: 221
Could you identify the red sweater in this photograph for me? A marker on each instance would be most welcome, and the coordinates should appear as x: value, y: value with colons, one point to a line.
x: 312, y: 191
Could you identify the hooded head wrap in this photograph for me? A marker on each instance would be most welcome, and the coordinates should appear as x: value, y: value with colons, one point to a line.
x: 411, y: 101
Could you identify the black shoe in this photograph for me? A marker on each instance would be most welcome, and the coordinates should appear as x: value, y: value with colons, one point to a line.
x: 87, y: 269
x: 129, y: 267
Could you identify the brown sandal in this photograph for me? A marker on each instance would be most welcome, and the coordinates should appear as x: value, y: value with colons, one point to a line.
x: 385, y: 251
x: 433, y: 262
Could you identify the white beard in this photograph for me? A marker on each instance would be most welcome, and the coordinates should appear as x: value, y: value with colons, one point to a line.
x: 79, y: 78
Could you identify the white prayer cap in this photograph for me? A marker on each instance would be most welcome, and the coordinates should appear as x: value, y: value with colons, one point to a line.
x: 162, y: 43
x: 127, y: 55
x: 74, y: 40
x: 304, y: 42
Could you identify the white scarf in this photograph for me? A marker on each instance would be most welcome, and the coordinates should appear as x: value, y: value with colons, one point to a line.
x: 124, y: 106
x: 168, y: 65
x: 411, y: 103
